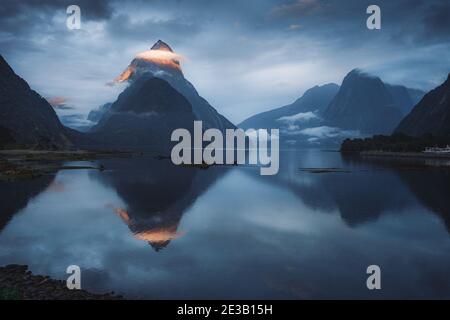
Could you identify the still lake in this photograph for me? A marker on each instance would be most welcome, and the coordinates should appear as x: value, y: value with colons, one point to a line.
x: 147, y: 229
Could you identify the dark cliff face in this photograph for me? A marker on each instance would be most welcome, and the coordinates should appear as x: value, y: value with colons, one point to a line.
x: 365, y: 104
x: 144, y: 116
x: 203, y: 111
x: 405, y: 98
x: 27, y: 120
x: 431, y: 115
x: 315, y: 99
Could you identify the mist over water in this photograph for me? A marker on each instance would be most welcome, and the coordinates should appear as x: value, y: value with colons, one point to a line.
x: 148, y: 229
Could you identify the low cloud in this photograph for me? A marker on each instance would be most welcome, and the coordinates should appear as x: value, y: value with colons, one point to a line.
x: 60, y: 103
x: 325, y: 132
x: 299, y: 117
x: 76, y: 121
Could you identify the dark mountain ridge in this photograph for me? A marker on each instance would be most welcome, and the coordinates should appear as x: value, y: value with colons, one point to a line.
x: 27, y: 120
x: 363, y: 103
x: 431, y: 115
x: 144, y: 115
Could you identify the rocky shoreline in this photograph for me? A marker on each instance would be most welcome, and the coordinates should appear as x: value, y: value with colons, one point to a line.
x: 18, y: 283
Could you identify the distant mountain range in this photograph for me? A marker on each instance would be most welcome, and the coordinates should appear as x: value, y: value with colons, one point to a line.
x: 310, y: 105
x: 427, y: 125
x: 431, y: 115
x: 365, y: 104
x: 362, y: 105
x: 27, y: 120
x: 158, y: 99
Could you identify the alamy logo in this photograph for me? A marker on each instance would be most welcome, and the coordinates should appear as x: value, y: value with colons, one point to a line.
x: 235, y: 151
x: 374, y: 280
x: 74, y: 280
x: 374, y: 20
x: 73, y: 21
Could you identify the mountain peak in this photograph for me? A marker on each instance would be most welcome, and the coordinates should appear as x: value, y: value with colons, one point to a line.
x: 359, y: 73
x: 320, y: 89
x: 5, y: 68
x: 363, y: 104
x: 160, y: 58
x: 356, y: 71
x: 161, y: 45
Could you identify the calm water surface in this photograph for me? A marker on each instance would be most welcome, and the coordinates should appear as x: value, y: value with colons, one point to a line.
x: 147, y: 229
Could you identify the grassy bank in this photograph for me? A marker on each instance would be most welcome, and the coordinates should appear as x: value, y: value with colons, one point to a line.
x: 29, y: 164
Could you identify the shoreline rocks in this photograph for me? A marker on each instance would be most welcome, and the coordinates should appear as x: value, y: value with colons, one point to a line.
x: 18, y: 283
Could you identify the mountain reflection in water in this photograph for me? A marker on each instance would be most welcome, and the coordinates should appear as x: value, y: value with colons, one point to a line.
x: 148, y: 229
x: 156, y: 193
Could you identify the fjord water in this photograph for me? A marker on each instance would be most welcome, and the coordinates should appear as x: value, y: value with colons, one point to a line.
x: 147, y: 229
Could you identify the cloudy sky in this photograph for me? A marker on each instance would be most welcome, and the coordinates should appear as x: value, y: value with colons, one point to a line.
x: 244, y: 57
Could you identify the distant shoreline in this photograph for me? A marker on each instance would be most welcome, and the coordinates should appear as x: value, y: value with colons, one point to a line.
x: 30, y: 164
x: 420, y: 155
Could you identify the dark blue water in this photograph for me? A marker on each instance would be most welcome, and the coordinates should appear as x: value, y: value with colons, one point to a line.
x: 147, y: 229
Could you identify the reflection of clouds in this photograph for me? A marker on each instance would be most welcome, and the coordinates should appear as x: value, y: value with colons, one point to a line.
x: 57, y: 102
x: 69, y: 226
x: 57, y: 187
x: 313, y: 240
x: 295, y: 217
x: 310, y: 222
x: 75, y: 121
x: 247, y: 239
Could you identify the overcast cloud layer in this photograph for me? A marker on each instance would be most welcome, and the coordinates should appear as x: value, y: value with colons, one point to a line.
x: 244, y: 57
